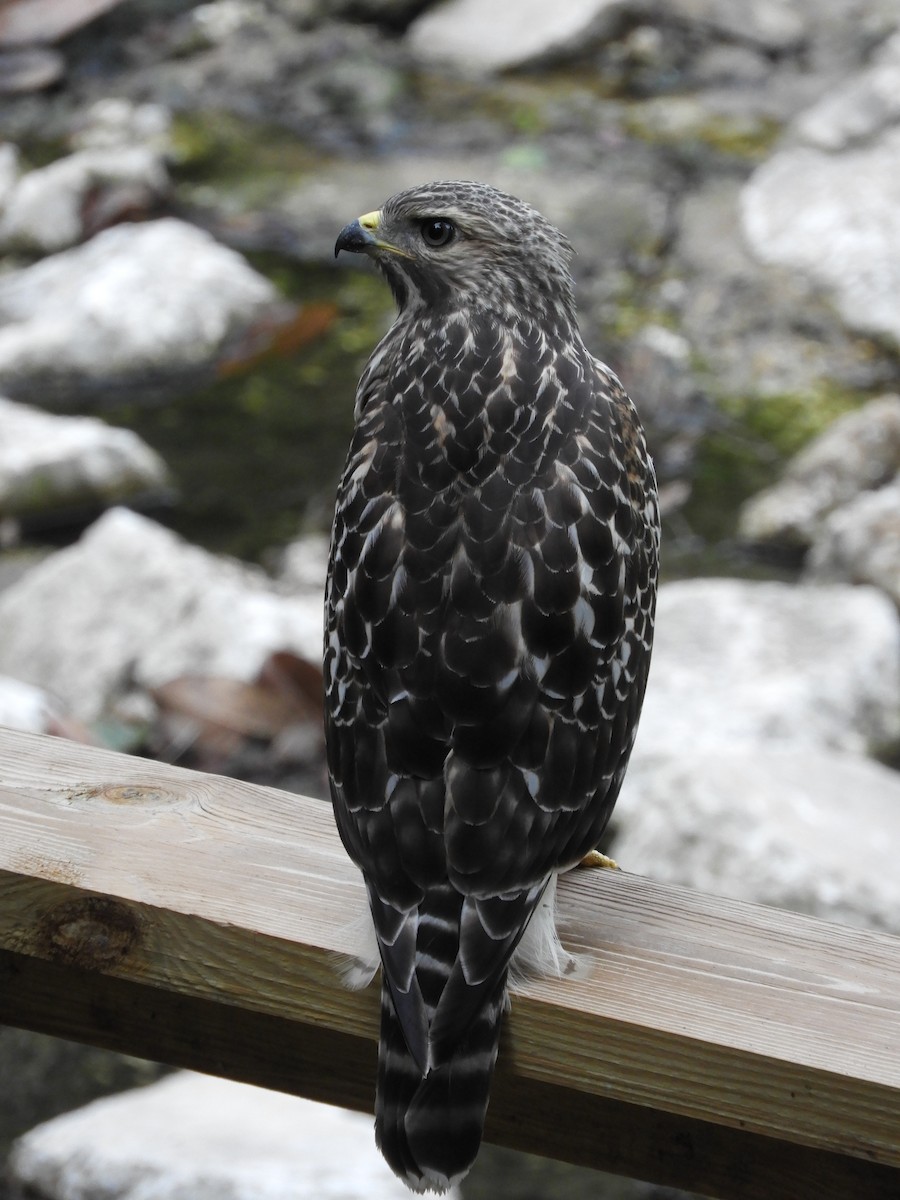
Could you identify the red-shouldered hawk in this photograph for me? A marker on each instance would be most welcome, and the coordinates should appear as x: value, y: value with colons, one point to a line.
x: 489, y: 617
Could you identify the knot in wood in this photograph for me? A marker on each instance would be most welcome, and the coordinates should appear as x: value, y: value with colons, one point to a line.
x: 93, y: 932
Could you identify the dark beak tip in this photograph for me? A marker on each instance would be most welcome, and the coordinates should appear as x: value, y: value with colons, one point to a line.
x: 353, y: 238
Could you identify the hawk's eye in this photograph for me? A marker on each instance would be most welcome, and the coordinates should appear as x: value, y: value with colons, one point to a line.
x: 437, y: 231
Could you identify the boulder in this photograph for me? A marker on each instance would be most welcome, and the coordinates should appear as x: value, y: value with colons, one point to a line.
x: 132, y: 605
x: 739, y: 663
x: 53, y: 465
x: 802, y: 828
x: 859, y: 107
x: 859, y: 451
x: 860, y: 542
x: 476, y: 37
x: 834, y: 218
x: 136, y: 305
x: 24, y: 707
x: 191, y: 1137
x: 58, y: 205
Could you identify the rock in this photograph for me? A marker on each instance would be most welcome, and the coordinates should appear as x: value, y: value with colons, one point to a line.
x: 29, y: 69
x: 741, y: 318
x: 338, y: 86
x: 865, y: 104
x: 32, y: 710
x: 132, y: 605
x: 774, y: 25
x: 303, y: 565
x: 24, y: 707
x: 44, y: 1076
x: 135, y: 306
x: 860, y: 542
x: 857, y: 452
x: 835, y: 218
x: 59, y: 205
x: 56, y: 465
x: 739, y: 663
x: 191, y: 1137
x: 114, y: 122
x: 23, y: 22
x: 808, y: 829
x: 477, y: 37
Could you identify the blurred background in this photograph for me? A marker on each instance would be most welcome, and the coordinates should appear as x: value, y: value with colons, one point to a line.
x: 178, y: 358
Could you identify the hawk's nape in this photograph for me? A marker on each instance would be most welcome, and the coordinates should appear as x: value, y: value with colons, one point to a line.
x: 489, y: 617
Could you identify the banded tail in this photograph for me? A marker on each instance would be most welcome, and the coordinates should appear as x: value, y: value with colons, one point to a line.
x: 429, y: 1127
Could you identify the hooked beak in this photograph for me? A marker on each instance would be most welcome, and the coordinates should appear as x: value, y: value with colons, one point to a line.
x: 360, y: 236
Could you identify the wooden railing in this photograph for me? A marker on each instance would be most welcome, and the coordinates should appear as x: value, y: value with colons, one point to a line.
x: 738, y: 1051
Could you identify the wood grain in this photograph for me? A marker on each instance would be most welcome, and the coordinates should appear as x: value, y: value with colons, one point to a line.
x: 707, y: 1042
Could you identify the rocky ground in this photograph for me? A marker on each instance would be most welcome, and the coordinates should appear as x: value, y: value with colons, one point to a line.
x: 175, y: 337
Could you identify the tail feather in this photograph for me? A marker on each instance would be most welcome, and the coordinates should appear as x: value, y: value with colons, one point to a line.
x: 429, y: 1127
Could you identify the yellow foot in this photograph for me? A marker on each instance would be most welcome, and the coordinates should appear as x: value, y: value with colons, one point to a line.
x: 594, y: 858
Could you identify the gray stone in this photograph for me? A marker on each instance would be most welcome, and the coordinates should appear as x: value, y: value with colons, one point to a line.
x: 477, y: 37
x: 192, y: 1137
x: 114, y: 122
x: 834, y: 218
x: 52, y: 463
x: 857, y: 452
x: 864, y: 105
x: 741, y: 317
x: 860, y: 542
x: 774, y: 25
x: 739, y: 663
x: 46, y: 210
x: 807, y: 829
x: 132, y: 605
x: 152, y: 300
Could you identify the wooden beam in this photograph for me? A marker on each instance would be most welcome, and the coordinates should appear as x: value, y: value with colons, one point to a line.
x: 738, y: 1051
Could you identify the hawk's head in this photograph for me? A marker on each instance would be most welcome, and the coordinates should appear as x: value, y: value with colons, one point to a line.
x: 450, y: 246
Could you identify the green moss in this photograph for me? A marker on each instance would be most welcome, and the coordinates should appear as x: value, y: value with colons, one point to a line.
x: 787, y: 421
x: 256, y: 457
x: 683, y: 123
x: 220, y: 150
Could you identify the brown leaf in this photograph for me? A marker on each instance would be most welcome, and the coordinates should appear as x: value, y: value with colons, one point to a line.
x: 295, y: 679
x: 278, y: 335
x: 249, y: 709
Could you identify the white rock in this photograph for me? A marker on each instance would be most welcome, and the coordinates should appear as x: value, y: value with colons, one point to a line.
x: 45, y: 210
x: 858, y: 108
x: 806, y: 829
x: 159, y: 297
x: 49, y: 462
x: 191, y: 1137
x: 772, y: 24
x: 131, y: 603
x: 23, y: 707
x: 836, y: 219
x: 860, y: 542
x: 740, y: 663
x: 304, y: 564
x: 857, y: 452
x: 479, y: 37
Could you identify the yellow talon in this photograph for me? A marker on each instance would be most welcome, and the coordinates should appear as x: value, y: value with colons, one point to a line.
x: 594, y: 858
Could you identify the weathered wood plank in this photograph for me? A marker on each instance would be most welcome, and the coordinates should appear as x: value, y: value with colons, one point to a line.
x: 711, y: 1044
